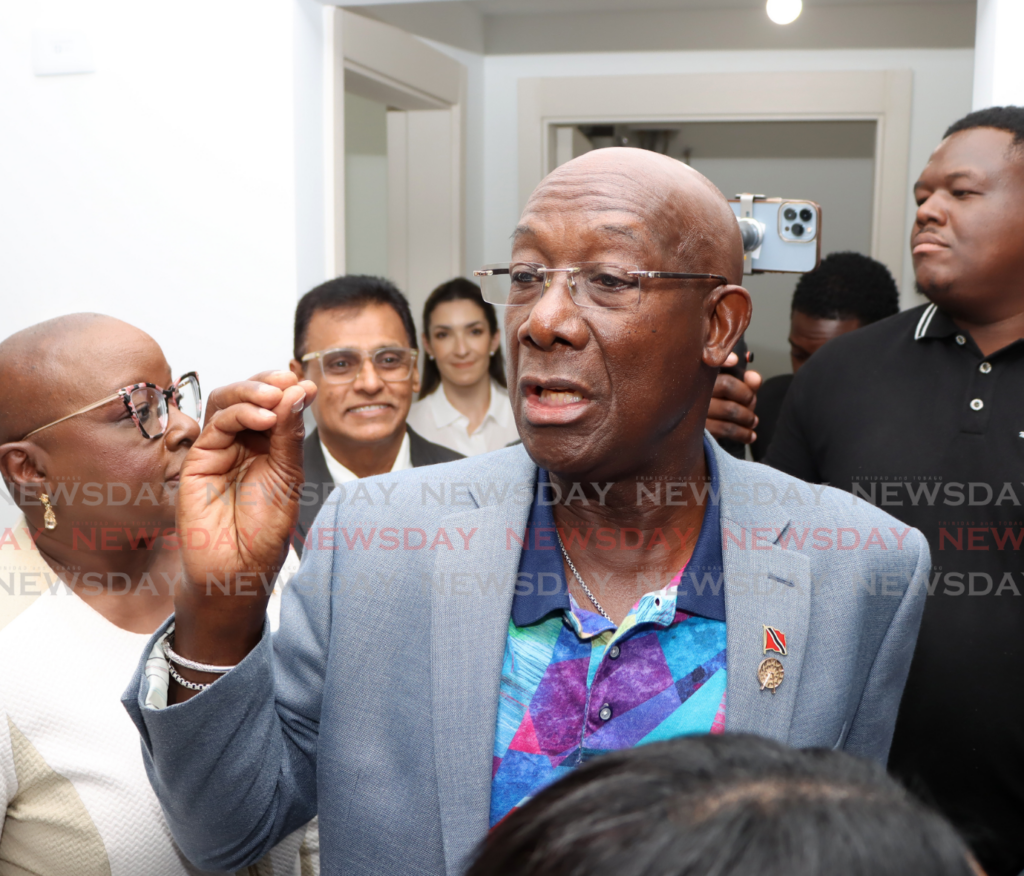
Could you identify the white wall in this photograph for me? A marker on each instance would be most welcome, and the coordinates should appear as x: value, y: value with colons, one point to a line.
x: 942, y: 93
x: 843, y: 187
x: 310, y: 227
x: 161, y: 188
x: 998, y: 73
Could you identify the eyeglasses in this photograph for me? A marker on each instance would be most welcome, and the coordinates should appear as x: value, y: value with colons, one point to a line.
x: 345, y: 364
x: 591, y: 284
x: 148, y: 404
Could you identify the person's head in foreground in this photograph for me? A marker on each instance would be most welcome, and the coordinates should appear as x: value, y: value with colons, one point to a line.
x: 970, y: 216
x: 461, y: 338
x: 622, y: 304
x: 725, y: 805
x: 845, y: 292
x: 355, y: 339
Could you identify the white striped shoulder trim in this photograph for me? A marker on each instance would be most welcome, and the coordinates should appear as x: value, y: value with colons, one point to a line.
x: 924, y: 321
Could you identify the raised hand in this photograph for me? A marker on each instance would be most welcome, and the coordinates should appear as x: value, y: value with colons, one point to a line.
x: 237, y: 504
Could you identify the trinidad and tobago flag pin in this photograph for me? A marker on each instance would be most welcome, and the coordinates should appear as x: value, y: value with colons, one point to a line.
x: 774, y: 640
x: 770, y: 671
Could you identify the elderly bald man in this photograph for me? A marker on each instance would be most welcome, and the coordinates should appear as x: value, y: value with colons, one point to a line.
x: 460, y: 636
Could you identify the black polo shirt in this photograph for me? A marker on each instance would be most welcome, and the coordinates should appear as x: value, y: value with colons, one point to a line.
x: 770, y: 397
x: 910, y: 415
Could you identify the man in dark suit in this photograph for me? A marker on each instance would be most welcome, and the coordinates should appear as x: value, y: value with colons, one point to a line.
x: 356, y: 340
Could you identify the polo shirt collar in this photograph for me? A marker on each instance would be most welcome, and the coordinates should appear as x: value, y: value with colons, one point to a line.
x: 935, y: 323
x: 542, y: 589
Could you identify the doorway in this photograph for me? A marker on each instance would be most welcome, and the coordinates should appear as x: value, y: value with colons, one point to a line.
x: 366, y: 186
x: 830, y: 162
x: 395, y: 144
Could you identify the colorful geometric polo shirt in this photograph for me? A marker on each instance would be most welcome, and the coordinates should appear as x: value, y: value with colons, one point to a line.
x: 573, y: 686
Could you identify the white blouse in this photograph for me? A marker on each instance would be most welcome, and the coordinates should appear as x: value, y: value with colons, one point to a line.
x: 437, y: 420
x: 74, y: 793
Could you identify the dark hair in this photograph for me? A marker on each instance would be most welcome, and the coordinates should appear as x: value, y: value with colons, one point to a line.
x: 459, y: 289
x: 351, y: 290
x: 1005, y: 118
x: 847, y: 285
x: 729, y: 805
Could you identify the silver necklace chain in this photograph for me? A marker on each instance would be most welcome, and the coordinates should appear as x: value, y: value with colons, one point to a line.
x: 586, y: 589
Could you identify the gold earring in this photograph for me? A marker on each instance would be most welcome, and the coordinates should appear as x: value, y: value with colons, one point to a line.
x: 49, y: 518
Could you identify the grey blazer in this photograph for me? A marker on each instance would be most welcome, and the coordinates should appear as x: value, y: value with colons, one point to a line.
x: 319, y: 483
x: 375, y: 703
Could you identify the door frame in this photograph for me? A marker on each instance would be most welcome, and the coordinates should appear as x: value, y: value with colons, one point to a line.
x: 388, y: 65
x: 880, y: 96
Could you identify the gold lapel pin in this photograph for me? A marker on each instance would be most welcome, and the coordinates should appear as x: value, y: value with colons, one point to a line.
x: 770, y: 673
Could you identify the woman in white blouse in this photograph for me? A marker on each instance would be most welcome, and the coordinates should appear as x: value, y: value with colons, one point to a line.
x: 93, y: 435
x: 463, y: 403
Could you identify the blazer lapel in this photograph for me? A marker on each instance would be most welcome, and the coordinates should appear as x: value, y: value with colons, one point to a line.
x: 316, y: 474
x: 471, y: 602
x: 765, y: 585
x: 423, y: 452
x: 314, y: 466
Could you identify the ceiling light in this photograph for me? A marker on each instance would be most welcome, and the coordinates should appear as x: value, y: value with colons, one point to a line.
x: 784, y: 11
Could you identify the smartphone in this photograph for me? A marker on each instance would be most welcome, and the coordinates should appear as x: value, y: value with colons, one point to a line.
x: 790, y: 239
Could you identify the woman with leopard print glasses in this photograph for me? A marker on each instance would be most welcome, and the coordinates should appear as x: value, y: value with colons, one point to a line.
x: 91, y: 446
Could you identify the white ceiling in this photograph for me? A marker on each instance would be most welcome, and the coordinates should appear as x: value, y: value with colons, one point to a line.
x: 504, y: 27
x: 512, y: 7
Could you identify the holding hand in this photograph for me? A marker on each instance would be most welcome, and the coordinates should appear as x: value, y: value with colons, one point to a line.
x: 731, y: 413
x: 237, y: 504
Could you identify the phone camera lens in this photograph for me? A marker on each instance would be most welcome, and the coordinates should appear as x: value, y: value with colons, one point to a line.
x: 798, y: 229
x: 789, y: 214
x: 806, y: 215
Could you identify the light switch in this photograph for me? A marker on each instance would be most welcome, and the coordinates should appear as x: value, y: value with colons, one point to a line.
x: 61, y: 52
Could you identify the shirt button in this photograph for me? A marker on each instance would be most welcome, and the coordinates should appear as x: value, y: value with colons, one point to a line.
x: 613, y: 652
x: 961, y: 340
x: 985, y: 367
x: 606, y: 712
x: 977, y: 404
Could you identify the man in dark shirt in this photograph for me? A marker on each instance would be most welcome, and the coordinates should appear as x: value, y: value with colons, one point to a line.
x: 356, y: 340
x: 845, y: 292
x: 922, y: 415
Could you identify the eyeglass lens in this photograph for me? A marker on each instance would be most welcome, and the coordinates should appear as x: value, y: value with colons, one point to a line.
x: 591, y: 284
x: 343, y: 366
x: 188, y: 398
x: 151, y: 409
x: 150, y: 406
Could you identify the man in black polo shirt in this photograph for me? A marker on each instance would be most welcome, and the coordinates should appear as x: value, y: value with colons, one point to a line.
x: 923, y: 415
